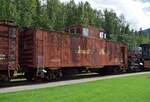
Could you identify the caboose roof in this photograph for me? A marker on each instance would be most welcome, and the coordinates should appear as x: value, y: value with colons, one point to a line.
x: 82, y: 26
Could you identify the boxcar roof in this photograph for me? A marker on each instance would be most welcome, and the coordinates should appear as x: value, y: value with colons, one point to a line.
x: 8, y: 23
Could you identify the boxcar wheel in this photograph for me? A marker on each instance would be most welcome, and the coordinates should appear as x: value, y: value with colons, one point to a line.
x: 29, y: 76
x: 102, y: 71
x: 4, y: 76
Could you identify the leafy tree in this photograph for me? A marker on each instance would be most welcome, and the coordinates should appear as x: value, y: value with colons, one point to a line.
x: 26, y: 10
x: 8, y: 10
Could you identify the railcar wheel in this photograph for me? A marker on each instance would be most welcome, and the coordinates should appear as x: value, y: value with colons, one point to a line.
x: 11, y: 73
x: 118, y: 70
x: 115, y: 71
x: 102, y: 71
x: 4, y: 76
x: 53, y: 74
x: 6, y: 79
x: 29, y: 75
x: 50, y: 75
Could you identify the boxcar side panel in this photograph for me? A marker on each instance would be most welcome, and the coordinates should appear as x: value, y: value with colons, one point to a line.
x: 8, y: 47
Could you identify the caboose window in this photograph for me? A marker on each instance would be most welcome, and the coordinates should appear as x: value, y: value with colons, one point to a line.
x: 85, y: 32
x: 101, y: 35
x: 78, y: 31
x: 72, y: 31
x: 66, y: 30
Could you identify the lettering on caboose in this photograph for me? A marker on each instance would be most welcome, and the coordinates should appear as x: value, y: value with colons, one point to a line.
x: 81, y: 51
x: 102, y: 51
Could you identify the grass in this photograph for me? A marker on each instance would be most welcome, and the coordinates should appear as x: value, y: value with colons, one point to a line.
x: 127, y: 89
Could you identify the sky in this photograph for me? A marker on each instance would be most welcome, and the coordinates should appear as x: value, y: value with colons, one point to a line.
x: 136, y: 12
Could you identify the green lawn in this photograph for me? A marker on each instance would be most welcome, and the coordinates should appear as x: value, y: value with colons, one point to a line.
x: 127, y: 89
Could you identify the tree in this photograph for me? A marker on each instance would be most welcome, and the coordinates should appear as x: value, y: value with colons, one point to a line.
x: 8, y: 10
x: 26, y: 10
x: 109, y: 23
x: 53, y: 10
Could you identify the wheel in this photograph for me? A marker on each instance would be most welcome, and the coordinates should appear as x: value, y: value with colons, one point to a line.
x: 53, y: 74
x: 6, y: 79
x: 11, y: 73
x: 29, y: 76
x: 4, y: 76
x: 115, y: 71
x: 102, y: 71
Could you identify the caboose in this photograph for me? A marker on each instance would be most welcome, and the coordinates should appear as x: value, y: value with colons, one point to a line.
x: 52, y: 54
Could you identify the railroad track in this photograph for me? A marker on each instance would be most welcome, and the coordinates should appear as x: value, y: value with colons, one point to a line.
x: 22, y: 81
x: 37, y: 85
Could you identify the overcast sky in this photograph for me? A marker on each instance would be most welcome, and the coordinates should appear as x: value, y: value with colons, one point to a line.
x: 136, y: 12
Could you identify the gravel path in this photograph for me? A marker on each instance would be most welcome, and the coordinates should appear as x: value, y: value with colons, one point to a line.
x: 61, y: 83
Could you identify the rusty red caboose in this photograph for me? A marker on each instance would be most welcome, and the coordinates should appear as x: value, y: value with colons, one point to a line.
x: 48, y: 53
